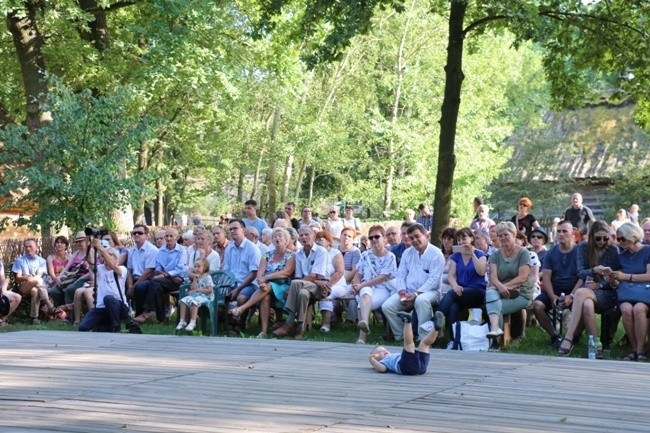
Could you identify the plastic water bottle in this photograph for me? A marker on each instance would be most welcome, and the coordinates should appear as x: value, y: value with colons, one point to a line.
x: 560, y: 312
x: 591, y: 348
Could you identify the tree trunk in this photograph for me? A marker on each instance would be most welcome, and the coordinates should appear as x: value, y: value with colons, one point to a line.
x: 286, y: 178
x: 97, y: 32
x: 312, y: 178
x: 448, y: 121
x: 273, y: 161
x: 240, y: 186
x: 143, y: 164
x: 29, y: 43
x: 160, y: 202
x: 400, y: 67
x: 388, y: 188
x: 258, y: 169
x: 301, y: 178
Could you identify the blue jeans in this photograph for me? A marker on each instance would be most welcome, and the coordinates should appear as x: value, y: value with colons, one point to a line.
x: 106, y: 319
x: 452, y: 304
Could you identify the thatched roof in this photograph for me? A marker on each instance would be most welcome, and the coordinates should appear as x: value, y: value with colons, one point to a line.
x: 581, y: 145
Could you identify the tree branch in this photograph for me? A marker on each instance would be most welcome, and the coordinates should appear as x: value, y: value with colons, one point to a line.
x: 561, y: 15
x: 113, y: 7
x: 483, y: 21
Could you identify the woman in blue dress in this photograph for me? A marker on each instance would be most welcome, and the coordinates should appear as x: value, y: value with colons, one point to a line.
x: 466, y: 278
x: 635, y: 267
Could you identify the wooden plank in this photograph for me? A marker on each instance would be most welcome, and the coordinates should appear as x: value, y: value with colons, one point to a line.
x: 64, y: 381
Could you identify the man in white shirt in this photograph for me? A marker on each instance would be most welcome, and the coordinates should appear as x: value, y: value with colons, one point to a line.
x: 310, y: 284
x: 418, y: 279
x: 253, y: 236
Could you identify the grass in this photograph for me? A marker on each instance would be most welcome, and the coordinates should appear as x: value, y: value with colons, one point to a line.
x: 536, y: 341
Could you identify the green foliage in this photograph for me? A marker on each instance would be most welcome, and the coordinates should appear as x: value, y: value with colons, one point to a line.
x: 75, y: 171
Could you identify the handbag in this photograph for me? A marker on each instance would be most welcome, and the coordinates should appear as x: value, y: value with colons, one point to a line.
x: 68, y: 277
x: 471, y: 337
x: 634, y: 291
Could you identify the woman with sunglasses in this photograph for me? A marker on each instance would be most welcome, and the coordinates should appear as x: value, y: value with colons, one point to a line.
x: 370, y: 283
x: 595, y: 258
x: 524, y: 220
x: 635, y: 267
x: 351, y: 256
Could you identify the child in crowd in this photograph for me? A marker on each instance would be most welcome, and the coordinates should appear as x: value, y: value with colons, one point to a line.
x: 201, y: 292
x: 410, y: 362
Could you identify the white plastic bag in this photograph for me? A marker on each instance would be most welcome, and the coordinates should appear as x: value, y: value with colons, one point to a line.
x: 473, y: 337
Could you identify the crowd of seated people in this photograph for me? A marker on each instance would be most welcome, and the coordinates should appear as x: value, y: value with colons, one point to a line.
x: 496, y: 268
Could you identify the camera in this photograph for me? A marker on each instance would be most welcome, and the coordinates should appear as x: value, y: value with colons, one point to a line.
x: 96, y: 232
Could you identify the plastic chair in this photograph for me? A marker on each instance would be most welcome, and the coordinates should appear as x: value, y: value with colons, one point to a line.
x: 223, y: 282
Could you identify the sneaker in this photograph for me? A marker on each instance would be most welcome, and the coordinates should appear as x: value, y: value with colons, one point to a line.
x: 262, y: 335
x: 190, y: 327
x: 406, y: 317
x: 495, y: 346
x: 133, y: 327
x: 439, y: 321
x: 497, y: 333
x: 427, y: 326
x: 556, y: 341
x: 35, y: 321
x: 325, y: 328
x: 182, y: 324
x: 360, y: 341
x: 450, y: 345
x: 363, y: 325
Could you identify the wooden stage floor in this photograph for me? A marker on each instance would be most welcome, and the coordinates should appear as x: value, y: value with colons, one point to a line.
x: 73, y: 382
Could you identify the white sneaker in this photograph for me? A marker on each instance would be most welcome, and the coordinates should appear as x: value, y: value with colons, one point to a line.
x: 181, y: 325
x: 190, y: 327
x: 427, y: 326
x: 325, y: 328
x: 496, y: 333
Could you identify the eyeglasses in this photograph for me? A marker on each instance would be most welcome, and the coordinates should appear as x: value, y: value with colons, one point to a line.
x: 601, y: 238
x: 137, y: 233
x: 332, y: 211
x: 621, y: 239
x: 537, y: 237
x: 374, y: 238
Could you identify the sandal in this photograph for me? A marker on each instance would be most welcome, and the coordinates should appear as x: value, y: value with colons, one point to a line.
x: 563, y: 351
x: 632, y: 356
x: 641, y: 357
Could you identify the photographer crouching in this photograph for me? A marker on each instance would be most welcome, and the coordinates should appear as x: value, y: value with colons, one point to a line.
x: 110, y: 305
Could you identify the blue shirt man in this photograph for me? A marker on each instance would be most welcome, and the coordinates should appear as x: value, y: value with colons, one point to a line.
x: 426, y: 217
x: 241, y: 258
